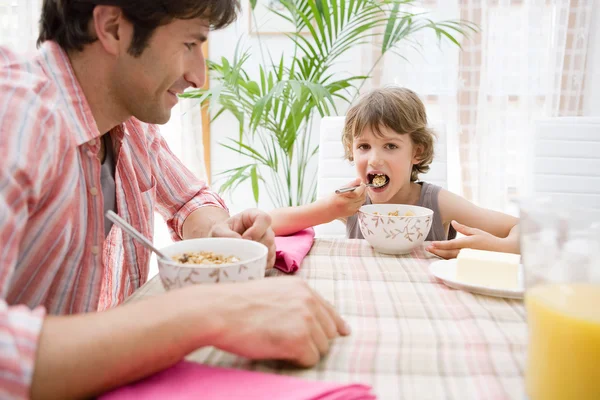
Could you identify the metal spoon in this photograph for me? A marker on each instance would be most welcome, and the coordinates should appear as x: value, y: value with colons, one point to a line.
x: 135, y: 233
x: 352, y: 188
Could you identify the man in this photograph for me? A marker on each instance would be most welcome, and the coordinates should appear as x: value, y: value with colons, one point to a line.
x: 76, y: 140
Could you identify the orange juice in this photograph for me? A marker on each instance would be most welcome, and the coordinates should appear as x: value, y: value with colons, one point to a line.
x: 563, y: 357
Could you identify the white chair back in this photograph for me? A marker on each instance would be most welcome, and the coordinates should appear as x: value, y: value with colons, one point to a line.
x: 335, y: 171
x: 566, y: 161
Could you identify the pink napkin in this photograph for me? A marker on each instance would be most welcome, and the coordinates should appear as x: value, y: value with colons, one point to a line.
x: 191, y: 381
x: 292, y: 249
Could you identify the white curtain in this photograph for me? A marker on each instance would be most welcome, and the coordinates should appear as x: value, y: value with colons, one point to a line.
x: 183, y: 133
x: 527, y: 61
x: 19, y: 23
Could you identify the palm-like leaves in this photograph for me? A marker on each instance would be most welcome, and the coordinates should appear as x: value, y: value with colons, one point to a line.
x: 275, y: 110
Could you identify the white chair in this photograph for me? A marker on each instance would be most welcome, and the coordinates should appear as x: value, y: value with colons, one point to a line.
x: 335, y: 171
x: 566, y: 161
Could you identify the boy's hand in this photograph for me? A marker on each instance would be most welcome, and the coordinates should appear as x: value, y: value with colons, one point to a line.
x: 473, y: 239
x: 347, y: 204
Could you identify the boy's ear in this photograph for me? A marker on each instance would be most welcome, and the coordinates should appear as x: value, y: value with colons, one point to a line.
x: 417, y: 154
x: 348, y: 151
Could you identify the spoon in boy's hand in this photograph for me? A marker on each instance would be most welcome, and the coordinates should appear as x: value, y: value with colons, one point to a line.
x: 376, y: 183
x: 352, y: 188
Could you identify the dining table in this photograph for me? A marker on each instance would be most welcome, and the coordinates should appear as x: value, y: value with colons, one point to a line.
x: 412, y: 336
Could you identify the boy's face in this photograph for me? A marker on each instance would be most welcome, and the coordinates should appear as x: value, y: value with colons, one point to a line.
x: 390, y: 154
x: 147, y: 85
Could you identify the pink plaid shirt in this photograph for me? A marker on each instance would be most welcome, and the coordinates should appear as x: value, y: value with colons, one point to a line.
x: 54, y: 256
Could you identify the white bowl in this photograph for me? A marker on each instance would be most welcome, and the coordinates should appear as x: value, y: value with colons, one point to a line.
x: 394, y: 234
x: 252, y: 264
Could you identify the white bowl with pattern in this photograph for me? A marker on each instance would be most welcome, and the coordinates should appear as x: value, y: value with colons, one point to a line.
x: 395, y: 228
x: 252, y: 264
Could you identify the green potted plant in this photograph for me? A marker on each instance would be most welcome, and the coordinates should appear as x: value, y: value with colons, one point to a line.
x: 275, y: 109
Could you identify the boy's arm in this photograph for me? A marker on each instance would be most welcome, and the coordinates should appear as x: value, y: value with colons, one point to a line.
x: 289, y: 220
x: 483, y: 229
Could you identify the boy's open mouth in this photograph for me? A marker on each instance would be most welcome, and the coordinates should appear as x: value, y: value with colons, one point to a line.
x: 378, y: 180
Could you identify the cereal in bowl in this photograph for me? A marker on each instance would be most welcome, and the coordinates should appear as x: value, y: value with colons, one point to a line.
x: 397, y: 214
x: 204, y: 257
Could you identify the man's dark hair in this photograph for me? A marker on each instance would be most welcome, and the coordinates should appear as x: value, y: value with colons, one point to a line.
x: 66, y: 21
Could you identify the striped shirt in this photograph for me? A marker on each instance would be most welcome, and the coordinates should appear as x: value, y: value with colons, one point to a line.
x: 54, y: 255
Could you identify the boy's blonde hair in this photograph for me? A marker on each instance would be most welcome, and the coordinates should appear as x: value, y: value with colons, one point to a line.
x: 399, y: 109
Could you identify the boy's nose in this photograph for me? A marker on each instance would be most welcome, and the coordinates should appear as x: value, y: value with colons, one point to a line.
x: 375, y: 161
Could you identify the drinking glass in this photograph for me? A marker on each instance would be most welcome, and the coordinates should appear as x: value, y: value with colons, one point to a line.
x: 560, y: 249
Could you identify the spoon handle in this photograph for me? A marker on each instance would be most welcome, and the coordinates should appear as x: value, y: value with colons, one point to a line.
x: 346, y: 190
x: 134, y: 232
x: 352, y: 188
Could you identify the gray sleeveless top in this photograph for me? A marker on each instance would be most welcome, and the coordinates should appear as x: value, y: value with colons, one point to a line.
x: 428, y: 199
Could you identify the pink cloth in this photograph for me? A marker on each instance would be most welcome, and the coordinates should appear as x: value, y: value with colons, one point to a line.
x: 292, y: 249
x: 193, y: 381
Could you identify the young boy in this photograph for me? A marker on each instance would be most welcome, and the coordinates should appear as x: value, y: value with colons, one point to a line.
x: 387, y: 138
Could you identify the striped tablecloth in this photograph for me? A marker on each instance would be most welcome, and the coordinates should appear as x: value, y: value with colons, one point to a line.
x: 412, y: 337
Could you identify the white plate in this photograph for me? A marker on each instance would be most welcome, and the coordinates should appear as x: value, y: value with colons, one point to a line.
x: 445, y: 270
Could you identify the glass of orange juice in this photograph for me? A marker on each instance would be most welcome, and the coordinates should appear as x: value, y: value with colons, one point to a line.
x: 560, y: 249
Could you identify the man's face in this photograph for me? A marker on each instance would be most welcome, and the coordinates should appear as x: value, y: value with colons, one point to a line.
x: 147, y: 85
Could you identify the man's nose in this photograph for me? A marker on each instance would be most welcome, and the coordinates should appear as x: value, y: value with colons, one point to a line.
x: 196, y: 69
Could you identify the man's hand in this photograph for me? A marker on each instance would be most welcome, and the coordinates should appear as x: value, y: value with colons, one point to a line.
x: 276, y: 318
x: 474, y: 239
x: 344, y: 205
x: 250, y: 224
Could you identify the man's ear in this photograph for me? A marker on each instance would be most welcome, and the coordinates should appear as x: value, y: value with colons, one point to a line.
x: 111, y: 28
